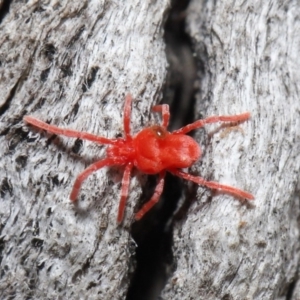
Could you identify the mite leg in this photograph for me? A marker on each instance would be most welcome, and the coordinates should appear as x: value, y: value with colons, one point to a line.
x: 164, y: 109
x: 127, y: 112
x: 158, y: 190
x: 84, y: 174
x: 214, y: 119
x: 124, y: 191
x: 67, y: 132
x: 213, y: 185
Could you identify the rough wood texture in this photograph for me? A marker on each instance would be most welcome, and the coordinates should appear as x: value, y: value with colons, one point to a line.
x: 226, y: 249
x: 70, y: 63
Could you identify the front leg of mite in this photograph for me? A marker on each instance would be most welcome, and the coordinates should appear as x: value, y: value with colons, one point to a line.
x: 164, y: 110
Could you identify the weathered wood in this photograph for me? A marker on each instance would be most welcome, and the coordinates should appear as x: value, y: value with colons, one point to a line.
x: 70, y: 63
x: 226, y: 249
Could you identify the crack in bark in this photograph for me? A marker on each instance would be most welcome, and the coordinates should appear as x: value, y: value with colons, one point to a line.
x: 4, y: 9
x: 154, y: 233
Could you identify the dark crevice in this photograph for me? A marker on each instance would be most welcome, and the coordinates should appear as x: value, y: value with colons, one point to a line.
x: 180, y: 88
x: 153, y: 234
x: 4, y: 9
x: 49, y: 51
x: 7, y: 102
x: 154, y: 239
x: 90, y: 79
x: 6, y: 187
x: 2, y: 247
x: 290, y: 291
x: 44, y: 74
x: 76, y: 37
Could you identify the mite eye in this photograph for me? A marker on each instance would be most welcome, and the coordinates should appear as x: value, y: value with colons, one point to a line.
x: 160, y: 132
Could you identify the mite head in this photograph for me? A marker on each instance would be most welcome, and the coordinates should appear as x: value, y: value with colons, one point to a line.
x: 157, y: 149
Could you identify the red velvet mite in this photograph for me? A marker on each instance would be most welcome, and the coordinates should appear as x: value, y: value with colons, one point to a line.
x: 153, y: 150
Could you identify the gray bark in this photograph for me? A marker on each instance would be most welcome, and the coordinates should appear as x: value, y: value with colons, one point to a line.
x: 71, y: 63
x: 224, y: 248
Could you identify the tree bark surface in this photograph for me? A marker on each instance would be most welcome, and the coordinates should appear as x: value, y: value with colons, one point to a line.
x: 71, y: 63
x: 225, y: 248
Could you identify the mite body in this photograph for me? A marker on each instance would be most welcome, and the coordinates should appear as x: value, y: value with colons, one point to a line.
x: 153, y: 150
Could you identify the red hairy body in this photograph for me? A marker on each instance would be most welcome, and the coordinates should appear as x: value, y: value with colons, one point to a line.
x: 153, y: 150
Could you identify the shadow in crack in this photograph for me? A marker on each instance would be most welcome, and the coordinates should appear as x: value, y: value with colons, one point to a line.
x: 153, y: 234
x: 4, y: 8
